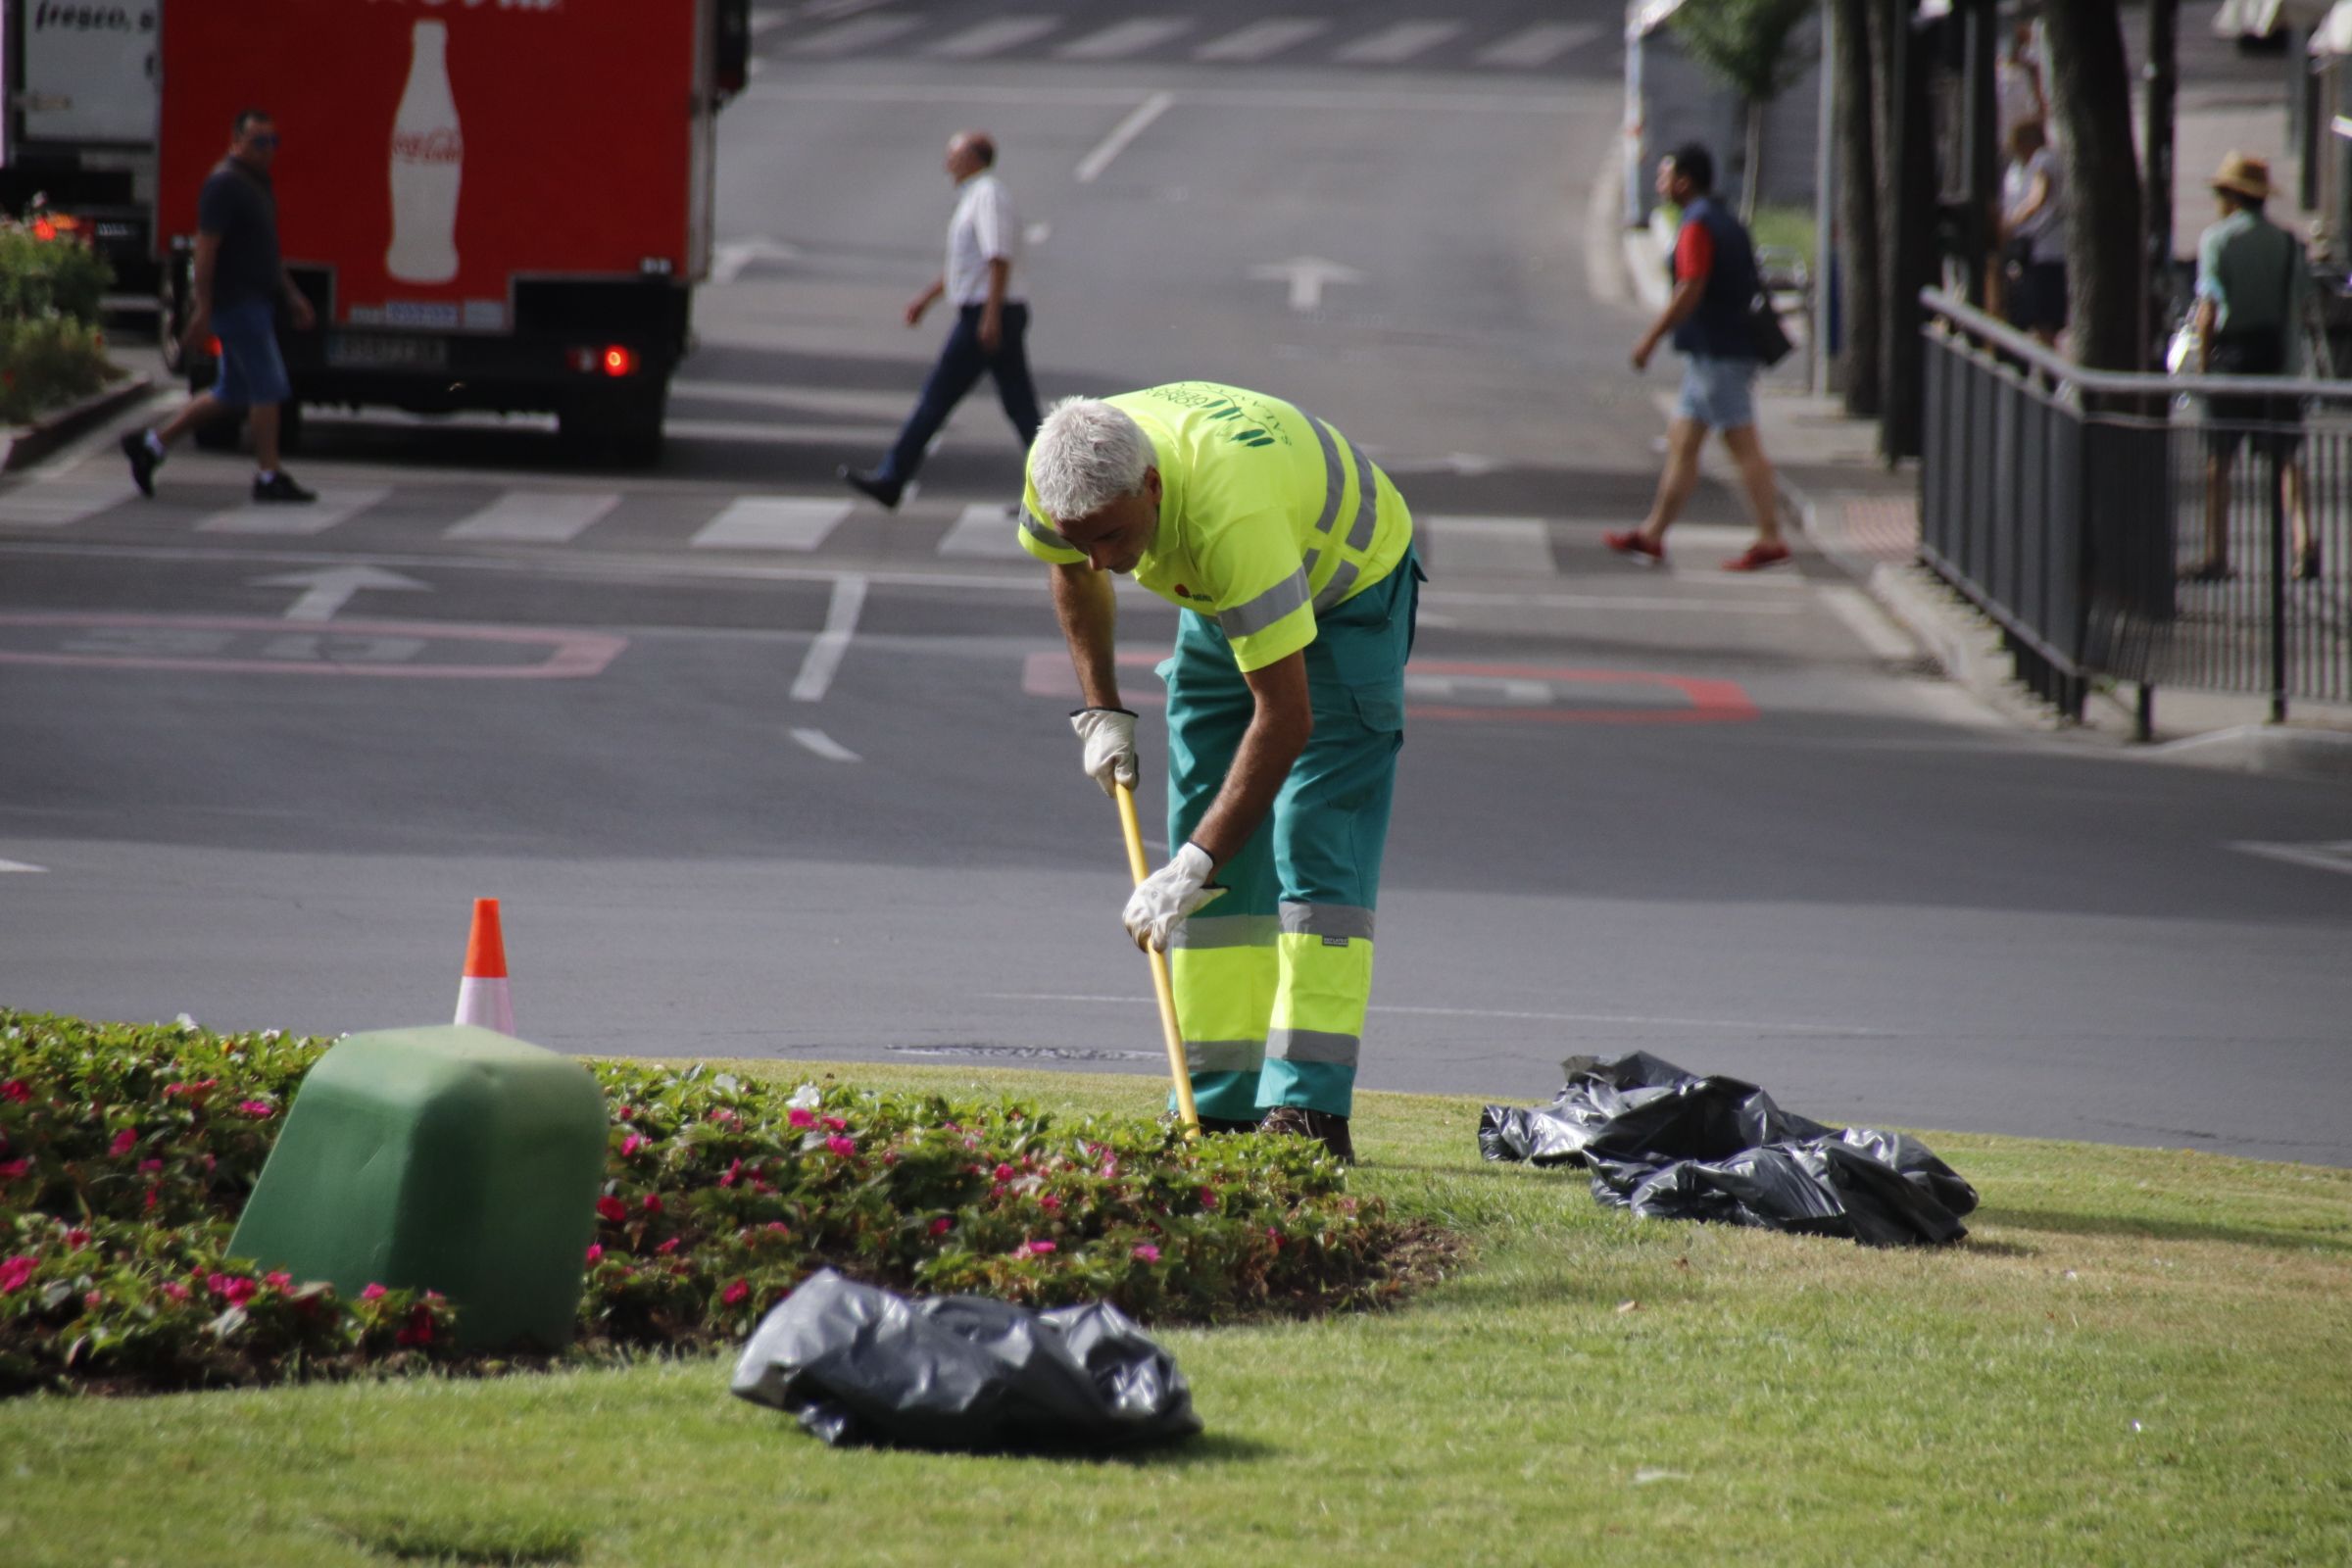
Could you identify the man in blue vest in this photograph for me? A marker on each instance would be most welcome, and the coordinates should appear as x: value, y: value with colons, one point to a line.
x: 1715, y: 287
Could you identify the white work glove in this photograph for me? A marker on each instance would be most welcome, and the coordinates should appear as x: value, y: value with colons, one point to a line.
x: 1109, y: 737
x: 1169, y: 895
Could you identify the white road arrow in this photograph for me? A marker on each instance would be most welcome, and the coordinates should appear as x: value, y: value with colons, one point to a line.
x: 1307, y: 275
x: 329, y: 588
x: 729, y: 256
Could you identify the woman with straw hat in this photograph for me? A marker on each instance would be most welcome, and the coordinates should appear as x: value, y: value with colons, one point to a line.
x: 2251, y: 275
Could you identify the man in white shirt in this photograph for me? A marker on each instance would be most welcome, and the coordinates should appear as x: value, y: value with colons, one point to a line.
x: 984, y: 241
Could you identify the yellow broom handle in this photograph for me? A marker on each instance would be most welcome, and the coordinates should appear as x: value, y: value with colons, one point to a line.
x: 1178, y: 1068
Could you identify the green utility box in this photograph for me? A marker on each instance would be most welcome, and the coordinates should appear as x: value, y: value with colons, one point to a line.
x: 454, y: 1159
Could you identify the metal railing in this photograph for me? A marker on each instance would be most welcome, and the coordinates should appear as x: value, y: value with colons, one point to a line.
x: 2186, y: 531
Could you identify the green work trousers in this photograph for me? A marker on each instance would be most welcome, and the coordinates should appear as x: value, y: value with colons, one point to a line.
x: 1272, y: 977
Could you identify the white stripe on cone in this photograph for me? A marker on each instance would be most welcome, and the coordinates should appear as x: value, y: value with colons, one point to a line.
x: 486, y: 1003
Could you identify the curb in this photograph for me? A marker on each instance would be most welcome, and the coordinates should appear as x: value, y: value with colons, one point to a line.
x: 31, y: 443
x: 2263, y: 749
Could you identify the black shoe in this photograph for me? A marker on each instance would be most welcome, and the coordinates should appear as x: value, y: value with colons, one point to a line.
x: 142, y: 459
x: 1299, y: 1122
x: 883, y: 492
x: 281, y: 486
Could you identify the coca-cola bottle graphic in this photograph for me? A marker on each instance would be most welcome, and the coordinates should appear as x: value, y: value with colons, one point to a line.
x: 427, y: 157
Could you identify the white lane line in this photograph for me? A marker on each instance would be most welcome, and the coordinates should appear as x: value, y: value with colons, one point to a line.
x: 1393, y: 46
x: 1539, y: 45
x: 860, y: 33
x: 1500, y: 546
x: 1771, y: 1025
x: 19, y: 866
x: 1260, y: 39
x: 536, y: 517
x: 1567, y: 98
x: 2330, y: 857
x: 993, y: 37
x: 825, y: 745
x: 286, y: 517
x: 1125, y: 132
x: 1123, y: 38
x: 771, y: 522
x: 1866, y: 621
x: 984, y: 531
x: 64, y: 502
x: 825, y: 654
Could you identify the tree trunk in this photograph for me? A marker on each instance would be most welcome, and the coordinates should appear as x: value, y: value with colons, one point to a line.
x: 1752, y: 189
x: 2091, y: 89
x: 1857, y: 208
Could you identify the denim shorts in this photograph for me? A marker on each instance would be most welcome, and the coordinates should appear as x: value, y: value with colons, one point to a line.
x: 252, y: 370
x: 1718, y: 393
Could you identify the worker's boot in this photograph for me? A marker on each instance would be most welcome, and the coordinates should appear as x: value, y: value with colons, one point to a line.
x: 1299, y: 1122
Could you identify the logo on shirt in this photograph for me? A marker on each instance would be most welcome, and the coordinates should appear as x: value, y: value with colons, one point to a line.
x: 1182, y: 592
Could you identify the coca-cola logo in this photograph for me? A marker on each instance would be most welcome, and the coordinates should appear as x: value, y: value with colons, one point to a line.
x: 443, y: 145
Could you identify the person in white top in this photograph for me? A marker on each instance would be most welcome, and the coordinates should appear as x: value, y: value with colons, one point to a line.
x: 2033, y: 235
x: 992, y: 321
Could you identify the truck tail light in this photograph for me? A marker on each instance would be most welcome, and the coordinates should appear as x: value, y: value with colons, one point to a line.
x: 618, y: 360
x: 212, y: 347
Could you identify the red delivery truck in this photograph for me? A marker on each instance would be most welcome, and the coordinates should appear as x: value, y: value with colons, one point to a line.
x: 493, y: 203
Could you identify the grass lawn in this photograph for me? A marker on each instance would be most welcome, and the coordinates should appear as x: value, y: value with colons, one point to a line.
x: 2140, y: 1356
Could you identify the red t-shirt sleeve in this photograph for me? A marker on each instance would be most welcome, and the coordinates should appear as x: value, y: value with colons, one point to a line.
x: 1694, y: 253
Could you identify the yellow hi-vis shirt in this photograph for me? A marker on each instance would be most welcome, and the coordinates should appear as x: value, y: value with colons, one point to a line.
x: 1266, y: 515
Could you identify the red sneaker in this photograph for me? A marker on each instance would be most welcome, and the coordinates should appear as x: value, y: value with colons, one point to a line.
x: 1631, y: 543
x: 1755, y: 558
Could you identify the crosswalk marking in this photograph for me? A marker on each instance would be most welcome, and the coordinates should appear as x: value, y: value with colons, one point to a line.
x: 1539, y: 45
x: 1259, y: 39
x: 1513, y: 547
x: 993, y: 36
x: 859, y: 33
x: 771, y: 522
x: 984, y: 530
x: 339, y: 505
x: 1122, y: 38
x: 536, y: 517
x: 62, y: 503
x: 1393, y: 46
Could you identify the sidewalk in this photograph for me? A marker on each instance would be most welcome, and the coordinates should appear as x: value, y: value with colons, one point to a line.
x: 1864, y: 517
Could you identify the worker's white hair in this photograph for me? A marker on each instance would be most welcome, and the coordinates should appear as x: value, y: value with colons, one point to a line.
x: 1087, y: 455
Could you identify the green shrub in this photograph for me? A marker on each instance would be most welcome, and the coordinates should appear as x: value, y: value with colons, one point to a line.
x: 60, y: 275
x: 51, y: 348
x: 127, y: 1154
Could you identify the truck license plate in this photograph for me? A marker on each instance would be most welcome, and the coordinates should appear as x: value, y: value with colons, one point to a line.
x: 387, y: 351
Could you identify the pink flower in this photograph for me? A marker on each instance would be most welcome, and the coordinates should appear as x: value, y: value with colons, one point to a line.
x: 611, y: 1209
x: 727, y: 1177
x: 374, y: 1292
x: 835, y: 1124
x: 596, y: 1250
x: 175, y: 1290
x: 631, y: 1144
x: 1145, y: 1252
x: 652, y: 1203
x: 235, y: 1289
x: 152, y: 1193
x: 778, y: 1227
x: 11, y: 1170
x: 1005, y: 1173
x: 77, y: 1237
x: 942, y: 1225
x: 1208, y: 1198
x: 1111, y: 1168
x: 734, y: 1293
x: 259, y: 1110
x: 151, y: 1164
x: 93, y: 1301
x: 1049, y: 1203
x: 14, y: 1272
x: 125, y: 1141
x: 669, y: 1247
x: 798, y: 1117
x: 724, y: 1117
x: 844, y: 1146
x: 419, y: 1329
x: 1274, y: 1236
x: 14, y: 1089
x: 1041, y: 1248
x: 278, y: 1280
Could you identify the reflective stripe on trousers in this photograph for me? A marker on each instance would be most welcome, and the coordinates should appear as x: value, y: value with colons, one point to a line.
x: 1272, y: 978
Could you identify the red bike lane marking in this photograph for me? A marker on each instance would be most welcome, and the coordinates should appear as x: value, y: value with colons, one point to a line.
x: 203, y: 643
x: 1704, y: 701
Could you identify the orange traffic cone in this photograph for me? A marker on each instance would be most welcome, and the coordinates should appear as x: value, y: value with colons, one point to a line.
x: 482, y: 996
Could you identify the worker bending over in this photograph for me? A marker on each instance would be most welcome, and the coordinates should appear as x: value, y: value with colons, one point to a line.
x: 1293, y: 559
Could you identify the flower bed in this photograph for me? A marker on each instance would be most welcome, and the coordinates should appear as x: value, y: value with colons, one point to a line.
x: 128, y: 1151
x: 51, y: 350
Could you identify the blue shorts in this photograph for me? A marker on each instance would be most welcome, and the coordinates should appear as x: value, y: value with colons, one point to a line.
x: 1718, y: 393
x: 252, y: 370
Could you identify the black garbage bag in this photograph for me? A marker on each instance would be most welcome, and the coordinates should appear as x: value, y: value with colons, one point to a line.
x: 858, y: 1364
x: 1671, y: 1145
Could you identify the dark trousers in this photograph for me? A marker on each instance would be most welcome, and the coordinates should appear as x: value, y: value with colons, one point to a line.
x: 961, y: 359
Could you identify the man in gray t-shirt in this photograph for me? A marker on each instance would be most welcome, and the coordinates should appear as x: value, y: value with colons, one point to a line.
x: 239, y: 278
